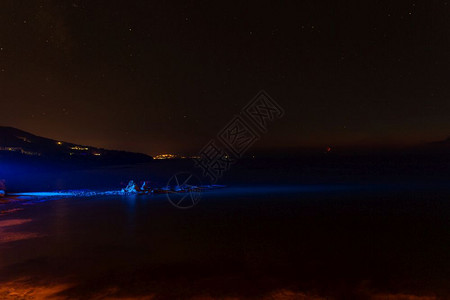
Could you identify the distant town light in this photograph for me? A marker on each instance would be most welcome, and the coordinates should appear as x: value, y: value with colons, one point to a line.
x: 19, y: 149
x: 172, y: 156
x: 24, y: 139
x: 79, y: 148
x: 166, y: 156
x: 59, y: 143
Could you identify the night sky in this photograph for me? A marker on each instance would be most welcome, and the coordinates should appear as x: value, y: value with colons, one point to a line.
x: 166, y: 76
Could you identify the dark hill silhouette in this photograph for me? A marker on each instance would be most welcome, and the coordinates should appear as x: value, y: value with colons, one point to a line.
x: 22, y: 145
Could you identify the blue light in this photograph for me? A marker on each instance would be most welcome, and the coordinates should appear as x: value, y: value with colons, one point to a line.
x: 42, y: 194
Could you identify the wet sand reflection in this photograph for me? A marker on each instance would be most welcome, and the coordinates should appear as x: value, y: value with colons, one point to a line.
x: 9, y: 234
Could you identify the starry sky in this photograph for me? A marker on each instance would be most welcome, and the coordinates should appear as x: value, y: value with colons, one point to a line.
x: 166, y: 76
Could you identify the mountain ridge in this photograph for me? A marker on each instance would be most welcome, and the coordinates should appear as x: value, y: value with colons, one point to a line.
x: 17, y: 143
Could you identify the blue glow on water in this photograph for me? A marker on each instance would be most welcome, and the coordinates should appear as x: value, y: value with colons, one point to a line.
x: 225, y: 192
x: 271, y: 189
x: 42, y: 194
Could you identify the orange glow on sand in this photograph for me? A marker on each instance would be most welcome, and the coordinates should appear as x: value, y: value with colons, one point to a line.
x: 7, y: 236
x: 20, y: 289
x: 23, y: 289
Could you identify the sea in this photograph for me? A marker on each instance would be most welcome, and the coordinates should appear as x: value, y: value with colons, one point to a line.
x: 279, y: 229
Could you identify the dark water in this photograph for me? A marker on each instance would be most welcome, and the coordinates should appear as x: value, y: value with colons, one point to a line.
x: 345, y: 240
x: 331, y: 240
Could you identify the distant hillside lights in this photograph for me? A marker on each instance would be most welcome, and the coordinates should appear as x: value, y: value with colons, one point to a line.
x: 16, y: 144
x: 24, y: 139
x: 19, y: 149
x: 79, y: 148
x: 172, y: 156
x: 74, y: 147
x: 93, y: 153
x: 10, y: 148
x: 166, y: 156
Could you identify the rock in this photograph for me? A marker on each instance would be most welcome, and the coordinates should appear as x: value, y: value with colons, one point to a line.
x: 131, y: 188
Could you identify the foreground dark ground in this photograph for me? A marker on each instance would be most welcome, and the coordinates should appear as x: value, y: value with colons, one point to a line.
x: 355, y: 229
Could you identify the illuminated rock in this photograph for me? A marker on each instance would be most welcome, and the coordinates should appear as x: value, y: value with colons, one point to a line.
x: 131, y: 188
